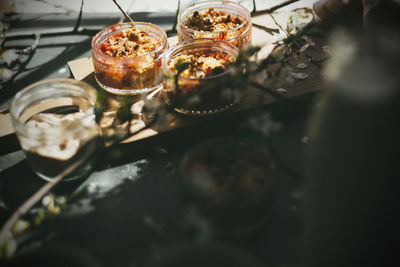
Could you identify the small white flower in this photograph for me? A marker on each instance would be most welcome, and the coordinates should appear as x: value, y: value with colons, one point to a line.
x: 299, y: 76
x: 9, y: 56
x: 93, y: 187
x: 278, y: 38
x: 62, y: 70
x: 46, y: 201
x: 5, y: 74
x: 264, y: 124
x: 281, y: 91
x: 302, y: 66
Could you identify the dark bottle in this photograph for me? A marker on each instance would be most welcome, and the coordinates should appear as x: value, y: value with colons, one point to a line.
x: 352, y: 204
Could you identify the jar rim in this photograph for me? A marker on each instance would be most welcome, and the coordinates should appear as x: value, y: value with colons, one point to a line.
x: 212, y: 4
x: 197, y: 41
x: 96, y: 50
x: 16, y: 110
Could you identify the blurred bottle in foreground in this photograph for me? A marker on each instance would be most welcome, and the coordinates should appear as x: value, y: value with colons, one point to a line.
x: 352, y: 206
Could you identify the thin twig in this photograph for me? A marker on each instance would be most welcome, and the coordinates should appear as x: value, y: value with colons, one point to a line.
x: 84, y: 31
x: 3, y: 32
x: 176, y: 18
x: 268, y: 90
x: 21, y: 68
x: 293, y: 40
x: 30, y: 202
x: 67, y: 10
x: 254, y: 7
x: 79, y: 20
x: 123, y: 12
x: 266, y: 29
x: 255, y: 13
x: 30, y: 48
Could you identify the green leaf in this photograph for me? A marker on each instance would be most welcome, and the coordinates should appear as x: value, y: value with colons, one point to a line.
x: 39, y: 217
x: 101, y: 105
x: 252, y: 50
x: 124, y: 112
x: 20, y: 226
x: 181, y: 66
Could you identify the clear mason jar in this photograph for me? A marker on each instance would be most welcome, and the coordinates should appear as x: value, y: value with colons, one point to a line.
x: 199, y: 96
x: 55, y: 124
x: 240, y: 36
x: 133, y: 75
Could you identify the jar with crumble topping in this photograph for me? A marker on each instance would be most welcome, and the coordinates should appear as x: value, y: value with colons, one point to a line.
x: 199, y: 90
x: 223, y: 20
x: 127, y: 57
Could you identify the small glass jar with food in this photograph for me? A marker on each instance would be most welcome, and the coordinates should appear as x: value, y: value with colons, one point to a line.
x: 55, y: 124
x: 223, y: 20
x: 127, y: 57
x: 230, y: 181
x: 198, y: 88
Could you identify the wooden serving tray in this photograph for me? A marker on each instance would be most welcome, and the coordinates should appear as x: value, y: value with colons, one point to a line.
x: 263, y: 29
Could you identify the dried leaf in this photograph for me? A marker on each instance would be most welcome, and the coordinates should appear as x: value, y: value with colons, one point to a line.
x: 304, y: 47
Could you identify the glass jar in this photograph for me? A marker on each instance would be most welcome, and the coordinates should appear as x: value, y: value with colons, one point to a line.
x: 230, y: 181
x: 129, y: 75
x: 198, y: 96
x: 55, y: 124
x: 239, y: 35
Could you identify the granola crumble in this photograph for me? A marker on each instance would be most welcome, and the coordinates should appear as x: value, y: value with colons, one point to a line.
x: 201, y: 65
x: 131, y: 42
x: 213, y: 20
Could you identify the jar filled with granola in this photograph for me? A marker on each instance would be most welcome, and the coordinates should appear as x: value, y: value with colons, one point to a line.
x: 202, y: 65
x: 127, y: 57
x: 55, y: 124
x: 223, y: 20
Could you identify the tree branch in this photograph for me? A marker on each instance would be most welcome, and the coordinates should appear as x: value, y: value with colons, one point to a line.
x: 30, y: 48
x: 79, y: 20
x: 256, y: 13
x: 83, y: 31
x: 254, y: 7
x: 30, y: 202
x: 123, y: 12
x: 266, y: 29
x: 176, y: 17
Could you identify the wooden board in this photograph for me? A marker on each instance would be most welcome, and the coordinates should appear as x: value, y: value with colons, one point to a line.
x: 264, y: 35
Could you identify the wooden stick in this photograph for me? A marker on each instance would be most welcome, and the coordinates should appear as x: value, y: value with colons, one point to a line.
x: 125, y: 14
x: 256, y: 13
